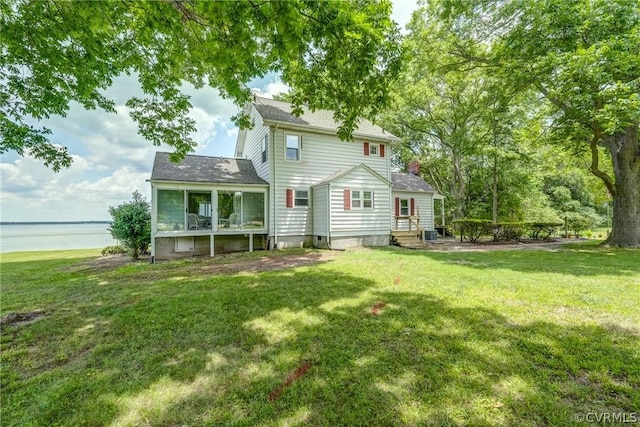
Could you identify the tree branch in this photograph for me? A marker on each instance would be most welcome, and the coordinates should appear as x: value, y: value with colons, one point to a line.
x: 595, y: 160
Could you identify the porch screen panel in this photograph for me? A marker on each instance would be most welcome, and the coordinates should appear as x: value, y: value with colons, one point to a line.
x: 253, y: 210
x: 170, y: 210
x: 229, y: 209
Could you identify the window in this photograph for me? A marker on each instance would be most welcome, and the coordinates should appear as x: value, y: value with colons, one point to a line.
x: 240, y: 210
x: 252, y: 210
x: 171, y: 210
x: 404, y: 207
x: 297, y: 198
x: 302, y: 198
x: 358, y: 199
x: 373, y: 149
x: 265, y: 148
x: 198, y: 210
x: 293, y: 147
x: 367, y: 199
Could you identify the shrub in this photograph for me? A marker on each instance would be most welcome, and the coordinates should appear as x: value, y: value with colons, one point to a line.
x: 578, y: 222
x: 132, y: 225
x: 509, y: 231
x: 543, y: 230
x: 114, y: 250
x: 472, y: 229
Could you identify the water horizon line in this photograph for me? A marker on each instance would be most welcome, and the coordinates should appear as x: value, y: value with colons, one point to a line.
x: 51, y: 222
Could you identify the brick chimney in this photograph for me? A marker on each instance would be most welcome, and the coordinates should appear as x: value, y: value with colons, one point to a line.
x: 414, y: 167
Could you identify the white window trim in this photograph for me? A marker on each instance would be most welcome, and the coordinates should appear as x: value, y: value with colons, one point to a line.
x: 286, y: 158
x: 362, y: 199
x: 308, y: 199
x: 373, y: 147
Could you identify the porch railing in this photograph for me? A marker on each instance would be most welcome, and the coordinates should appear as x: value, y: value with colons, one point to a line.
x: 413, y: 220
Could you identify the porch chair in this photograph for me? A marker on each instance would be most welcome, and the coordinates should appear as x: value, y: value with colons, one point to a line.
x: 192, y: 221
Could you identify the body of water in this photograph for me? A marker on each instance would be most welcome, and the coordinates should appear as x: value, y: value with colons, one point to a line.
x: 46, y: 237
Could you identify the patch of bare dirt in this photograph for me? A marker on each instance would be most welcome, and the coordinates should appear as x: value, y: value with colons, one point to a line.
x: 21, y: 318
x: 278, y: 261
x: 107, y: 262
x: 221, y: 264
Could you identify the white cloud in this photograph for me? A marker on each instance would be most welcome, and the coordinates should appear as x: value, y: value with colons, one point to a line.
x: 272, y: 89
x: 70, y: 195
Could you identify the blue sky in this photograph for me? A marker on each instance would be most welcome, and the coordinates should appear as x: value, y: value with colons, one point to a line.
x: 110, y: 159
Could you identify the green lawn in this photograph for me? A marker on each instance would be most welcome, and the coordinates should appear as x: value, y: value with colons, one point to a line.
x: 363, y: 337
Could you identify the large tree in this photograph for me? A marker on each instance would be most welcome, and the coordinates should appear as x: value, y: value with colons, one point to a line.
x: 582, y: 56
x: 334, y: 54
x: 458, y: 121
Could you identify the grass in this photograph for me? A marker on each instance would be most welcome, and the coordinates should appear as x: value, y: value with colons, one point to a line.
x: 470, y: 338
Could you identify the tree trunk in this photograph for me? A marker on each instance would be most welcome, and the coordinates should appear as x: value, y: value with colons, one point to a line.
x: 494, y: 191
x: 625, y: 153
x: 458, y: 186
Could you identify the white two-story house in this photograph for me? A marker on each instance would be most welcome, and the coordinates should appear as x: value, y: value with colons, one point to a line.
x: 292, y: 183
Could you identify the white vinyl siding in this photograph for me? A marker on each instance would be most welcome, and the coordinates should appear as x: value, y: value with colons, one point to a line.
x: 423, y: 207
x: 321, y: 156
x: 253, y: 145
x: 321, y: 210
x: 359, y: 222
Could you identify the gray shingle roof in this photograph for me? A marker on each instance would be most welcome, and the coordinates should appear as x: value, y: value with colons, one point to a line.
x: 215, y: 170
x: 402, y: 181
x: 280, y: 112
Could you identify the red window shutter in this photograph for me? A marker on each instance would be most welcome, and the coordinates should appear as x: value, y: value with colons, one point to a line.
x: 289, y: 197
x: 381, y: 150
x: 413, y: 206
x: 397, y: 206
x: 366, y: 148
x: 347, y: 200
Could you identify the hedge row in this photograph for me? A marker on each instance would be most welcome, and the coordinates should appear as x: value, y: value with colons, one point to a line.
x: 472, y: 229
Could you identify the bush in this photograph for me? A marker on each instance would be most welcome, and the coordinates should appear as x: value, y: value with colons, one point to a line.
x: 132, y: 225
x: 472, y: 229
x: 114, y: 250
x: 508, y: 231
x: 543, y: 230
x: 581, y: 221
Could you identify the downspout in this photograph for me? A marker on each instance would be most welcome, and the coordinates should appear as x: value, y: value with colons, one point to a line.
x: 329, y: 215
x: 154, y: 222
x: 275, y: 187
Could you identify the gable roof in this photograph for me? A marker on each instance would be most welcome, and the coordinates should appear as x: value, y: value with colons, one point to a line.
x: 403, y: 181
x: 273, y: 111
x: 345, y: 172
x: 203, y: 169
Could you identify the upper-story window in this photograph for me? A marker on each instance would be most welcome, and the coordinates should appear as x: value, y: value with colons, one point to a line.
x: 293, y: 147
x: 373, y: 149
x: 265, y: 148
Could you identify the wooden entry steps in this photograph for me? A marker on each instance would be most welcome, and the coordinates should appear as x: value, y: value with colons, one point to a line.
x: 407, y: 239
